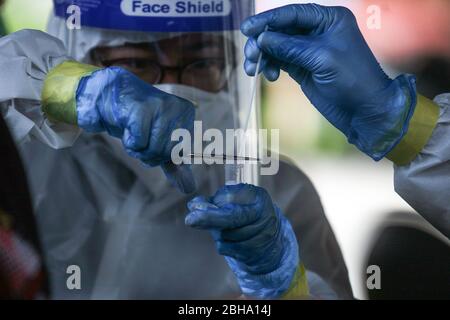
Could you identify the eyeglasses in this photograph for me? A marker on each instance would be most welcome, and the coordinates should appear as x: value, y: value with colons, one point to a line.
x: 206, y: 74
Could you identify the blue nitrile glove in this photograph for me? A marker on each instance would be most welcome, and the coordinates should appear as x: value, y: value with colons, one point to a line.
x: 143, y: 117
x: 257, y: 240
x: 323, y: 50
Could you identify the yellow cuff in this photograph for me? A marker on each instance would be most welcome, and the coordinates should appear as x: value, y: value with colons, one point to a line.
x: 420, y: 130
x: 299, y: 286
x: 59, y: 92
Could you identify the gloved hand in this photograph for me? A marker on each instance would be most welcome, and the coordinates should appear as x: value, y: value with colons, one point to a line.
x: 324, y: 51
x: 257, y: 240
x: 143, y: 117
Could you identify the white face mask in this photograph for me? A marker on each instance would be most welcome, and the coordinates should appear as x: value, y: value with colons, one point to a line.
x: 215, y: 110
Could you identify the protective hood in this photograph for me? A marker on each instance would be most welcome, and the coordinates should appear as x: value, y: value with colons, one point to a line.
x: 79, y: 43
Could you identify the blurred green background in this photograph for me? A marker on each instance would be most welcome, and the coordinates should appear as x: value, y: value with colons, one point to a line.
x: 20, y: 14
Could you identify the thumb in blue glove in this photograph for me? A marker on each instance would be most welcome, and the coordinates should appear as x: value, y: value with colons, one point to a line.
x: 257, y: 240
x: 323, y: 50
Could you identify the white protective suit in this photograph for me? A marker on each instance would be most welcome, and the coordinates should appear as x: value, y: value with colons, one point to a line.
x: 425, y: 182
x: 121, y: 223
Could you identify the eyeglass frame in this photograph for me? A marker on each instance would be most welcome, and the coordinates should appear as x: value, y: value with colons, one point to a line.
x: 164, y: 69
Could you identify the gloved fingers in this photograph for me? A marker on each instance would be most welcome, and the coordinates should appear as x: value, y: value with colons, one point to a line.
x: 252, y: 53
x: 302, y: 16
x: 289, y: 50
x: 259, y: 254
x: 231, y: 250
x: 259, y: 230
x: 251, y: 50
x: 255, y: 252
x: 136, y: 135
x: 263, y: 261
x: 181, y: 117
x: 180, y: 176
x: 272, y: 72
x: 145, y: 138
x: 205, y: 218
x: 200, y: 203
x: 159, y: 141
x: 250, y: 67
x: 159, y: 148
x: 239, y: 234
x: 227, y: 217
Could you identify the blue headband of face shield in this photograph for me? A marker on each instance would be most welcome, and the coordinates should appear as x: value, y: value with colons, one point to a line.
x: 158, y: 15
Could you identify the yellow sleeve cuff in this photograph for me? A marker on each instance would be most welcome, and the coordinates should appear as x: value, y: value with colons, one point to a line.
x: 420, y: 130
x: 59, y: 92
x: 299, y: 286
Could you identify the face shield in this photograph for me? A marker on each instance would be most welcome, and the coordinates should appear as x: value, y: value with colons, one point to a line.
x: 192, y: 49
